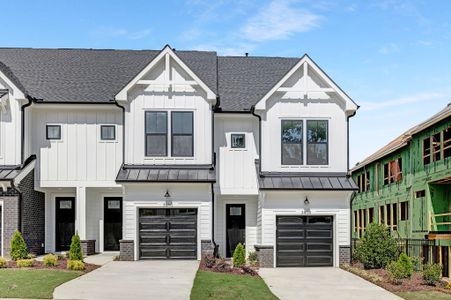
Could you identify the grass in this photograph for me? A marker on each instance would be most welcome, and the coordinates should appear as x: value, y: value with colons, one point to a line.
x: 210, y: 285
x: 423, y: 295
x: 27, y: 283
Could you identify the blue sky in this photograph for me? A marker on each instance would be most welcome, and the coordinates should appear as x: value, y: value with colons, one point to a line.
x: 391, y: 56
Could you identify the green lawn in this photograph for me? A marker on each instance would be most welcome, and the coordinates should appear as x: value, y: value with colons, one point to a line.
x: 28, y: 283
x: 424, y: 295
x: 210, y: 285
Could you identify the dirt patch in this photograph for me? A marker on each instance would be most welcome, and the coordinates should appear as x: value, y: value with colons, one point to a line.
x: 225, y: 266
x: 62, y: 265
x: 381, y: 278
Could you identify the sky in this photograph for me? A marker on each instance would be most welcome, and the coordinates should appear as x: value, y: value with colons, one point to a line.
x: 392, y: 57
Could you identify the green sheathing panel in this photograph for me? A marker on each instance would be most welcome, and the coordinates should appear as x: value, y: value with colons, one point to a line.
x: 415, y: 177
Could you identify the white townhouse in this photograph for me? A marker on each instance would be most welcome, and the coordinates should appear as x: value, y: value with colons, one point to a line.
x: 172, y: 154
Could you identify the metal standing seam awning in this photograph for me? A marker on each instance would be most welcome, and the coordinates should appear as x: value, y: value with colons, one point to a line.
x: 13, y: 175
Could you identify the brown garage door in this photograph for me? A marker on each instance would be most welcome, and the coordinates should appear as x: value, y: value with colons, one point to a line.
x: 168, y: 233
x: 304, y: 241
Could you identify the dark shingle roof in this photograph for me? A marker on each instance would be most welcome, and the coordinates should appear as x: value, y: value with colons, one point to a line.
x: 243, y: 81
x: 74, y: 75
x: 166, y: 173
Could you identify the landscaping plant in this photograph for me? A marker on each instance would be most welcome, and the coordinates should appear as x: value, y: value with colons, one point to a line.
x: 25, y: 263
x: 395, y: 272
x: 405, y: 264
x: 75, y: 252
x: 432, y: 273
x: 377, y: 248
x: 239, y: 256
x: 50, y: 260
x: 18, y: 247
x: 75, y: 265
x: 2, y: 262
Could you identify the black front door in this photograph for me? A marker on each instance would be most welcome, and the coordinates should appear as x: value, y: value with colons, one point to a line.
x: 235, y: 227
x: 64, y: 222
x: 112, y: 218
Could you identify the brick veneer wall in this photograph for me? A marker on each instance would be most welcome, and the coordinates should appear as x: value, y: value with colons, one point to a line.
x: 10, y: 209
x: 265, y: 256
x: 344, y: 255
x: 127, y: 250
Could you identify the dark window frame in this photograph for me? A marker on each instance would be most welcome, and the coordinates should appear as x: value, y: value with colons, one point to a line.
x: 291, y: 143
x: 237, y: 134
x: 307, y: 143
x: 155, y: 134
x: 47, y: 126
x: 182, y: 134
x: 102, y: 138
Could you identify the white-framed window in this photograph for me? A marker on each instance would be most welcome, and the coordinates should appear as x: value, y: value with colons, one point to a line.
x: 53, y: 132
x: 107, y: 132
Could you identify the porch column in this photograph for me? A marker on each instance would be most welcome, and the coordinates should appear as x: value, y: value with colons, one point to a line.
x: 80, y: 212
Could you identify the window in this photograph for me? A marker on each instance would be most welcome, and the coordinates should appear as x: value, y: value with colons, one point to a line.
x: 447, y: 142
x: 53, y: 132
x: 388, y: 210
x: 355, y: 223
x: 420, y: 194
x: 404, y: 210
x: 107, y: 132
x: 393, y: 171
x: 363, y: 182
x: 238, y: 141
x: 436, y: 140
x: 317, y: 142
x: 371, y: 214
x: 395, y: 216
x: 182, y: 133
x: 156, y: 133
x: 292, y: 132
x: 427, y: 151
x: 382, y: 214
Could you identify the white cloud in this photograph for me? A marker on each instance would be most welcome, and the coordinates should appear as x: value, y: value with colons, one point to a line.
x: 122, y: 33
x: 279, y: 20
x: 389, y: 48
x: 420, y: 97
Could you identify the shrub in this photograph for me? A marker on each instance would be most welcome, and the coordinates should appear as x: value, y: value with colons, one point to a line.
x: 18, y: 247
x: 3, y: 263
x: 395, y: 272
x: 377, y: 248
x: 50, y: 260
x: 75, y: 265
x: 405, y: 264
x: 239, y: 256
x: 75, y: 252
x: 432, y: 273
x: 25, y: 263
x: 417, y: 262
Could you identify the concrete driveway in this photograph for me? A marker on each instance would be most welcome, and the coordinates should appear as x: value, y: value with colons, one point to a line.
x: 321, y: 283
x: 133, y: 280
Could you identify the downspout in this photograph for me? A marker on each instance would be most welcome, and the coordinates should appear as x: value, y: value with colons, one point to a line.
x: 123, y: 129
x: 213, y: 163
x: 354, y: 194
x: 259, y: 139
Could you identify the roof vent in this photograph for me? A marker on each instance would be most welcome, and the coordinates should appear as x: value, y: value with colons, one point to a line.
x: 247, y: 54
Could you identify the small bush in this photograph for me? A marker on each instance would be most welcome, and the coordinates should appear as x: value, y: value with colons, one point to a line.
x: 18, y: 247
x: 432, y: 273
x: 75, y: 252
x: 417, y: 262
x: 3, y: 263
x: 377, y: 248
x: 405, y: 264
x: 395, y: 272
x: 239, y: 256
x: 25, y: 263
x: 75, y: 265
x: 50, y: 260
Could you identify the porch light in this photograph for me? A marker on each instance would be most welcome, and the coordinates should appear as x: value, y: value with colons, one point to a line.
x: 167, y: 195
x: 306, y: 202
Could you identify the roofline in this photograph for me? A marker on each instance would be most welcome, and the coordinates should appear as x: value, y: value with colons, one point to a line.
x: 308, y: 189
x: 168, y: 180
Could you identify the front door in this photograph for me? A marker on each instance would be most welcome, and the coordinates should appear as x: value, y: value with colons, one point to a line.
x: 235, y: 227
x: 112, y: 223
x: 64, y: 222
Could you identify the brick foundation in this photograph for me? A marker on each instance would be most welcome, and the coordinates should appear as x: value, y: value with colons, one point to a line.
x: 344, y: 255
x: 265, y: 256
x: 207, y: 247
x: 88, y: 247
x: 127, y: 250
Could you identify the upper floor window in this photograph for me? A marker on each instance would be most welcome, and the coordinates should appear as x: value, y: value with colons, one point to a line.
x: 53, y: 132
x: 317, y: 142
x: 107, y: 132
x: 447, y: 142
x: 437, y: 146
x: 393, y: 171
x: 292, y: 133
x: 156, y: 126
x: 182, y: 133
x: 238, y: 140
x: 363, y: 182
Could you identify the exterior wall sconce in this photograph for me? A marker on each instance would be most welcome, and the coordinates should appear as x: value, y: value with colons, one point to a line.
x: 306, y: 202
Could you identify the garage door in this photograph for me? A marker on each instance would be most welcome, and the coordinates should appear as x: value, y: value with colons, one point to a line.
x: 303, y: 241
x: 168, y: 233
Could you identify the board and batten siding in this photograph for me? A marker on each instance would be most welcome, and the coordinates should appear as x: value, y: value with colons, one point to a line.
x: 182, y: 195
x: 10, y: 130
x: 80, y: 157
x: 251, y: 221
x: 334, y: 204
x: 158, y: 97
x: 236, y: 166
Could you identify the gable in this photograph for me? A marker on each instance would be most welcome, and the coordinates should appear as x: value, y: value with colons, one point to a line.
x: 307, y: 81
x: 164, y: 73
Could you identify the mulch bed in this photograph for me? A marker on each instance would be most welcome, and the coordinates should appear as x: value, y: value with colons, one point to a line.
x: 62, y: 265
x: 225, y: 266
x: 381, y: 278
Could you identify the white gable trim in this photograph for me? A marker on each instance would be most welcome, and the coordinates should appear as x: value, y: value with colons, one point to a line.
x: 17, y: 93
x: 306, y: 62
x: 165, y: 54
